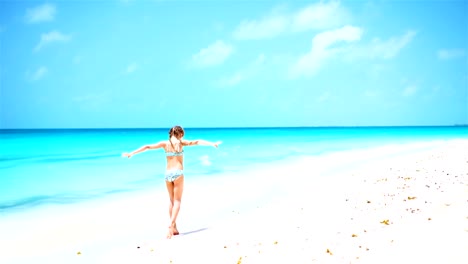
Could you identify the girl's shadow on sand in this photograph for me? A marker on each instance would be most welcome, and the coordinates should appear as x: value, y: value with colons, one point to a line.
x: 192, y: 232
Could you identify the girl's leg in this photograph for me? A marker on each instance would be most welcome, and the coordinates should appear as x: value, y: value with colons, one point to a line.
x: 170, y: 190
x: 176, y: 189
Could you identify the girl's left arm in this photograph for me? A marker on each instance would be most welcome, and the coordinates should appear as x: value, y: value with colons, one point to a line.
x: 201, y: 142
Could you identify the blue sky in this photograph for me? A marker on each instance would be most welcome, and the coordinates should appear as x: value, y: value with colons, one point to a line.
x: 156, y: 63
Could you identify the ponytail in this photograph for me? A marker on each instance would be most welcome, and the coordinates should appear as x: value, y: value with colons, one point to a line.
x: 176, y: 130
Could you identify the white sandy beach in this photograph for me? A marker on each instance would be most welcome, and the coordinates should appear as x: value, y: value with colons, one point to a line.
x: 394, y: 204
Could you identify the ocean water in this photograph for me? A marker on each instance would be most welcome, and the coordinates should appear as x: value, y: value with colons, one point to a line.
x: 41, y: 167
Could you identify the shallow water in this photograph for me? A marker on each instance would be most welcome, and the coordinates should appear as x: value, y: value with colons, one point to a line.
x: 39, y: 167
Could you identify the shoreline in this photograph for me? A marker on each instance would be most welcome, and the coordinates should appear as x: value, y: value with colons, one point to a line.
x: 369, y: 208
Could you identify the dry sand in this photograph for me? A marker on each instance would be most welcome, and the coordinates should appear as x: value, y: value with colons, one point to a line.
x: 394, y: 204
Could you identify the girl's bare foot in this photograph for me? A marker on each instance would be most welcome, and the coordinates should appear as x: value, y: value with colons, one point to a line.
x: 172, y: 231
x: 176, y: 232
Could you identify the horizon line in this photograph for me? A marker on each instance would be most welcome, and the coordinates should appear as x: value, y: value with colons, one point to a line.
x: 265, y: 127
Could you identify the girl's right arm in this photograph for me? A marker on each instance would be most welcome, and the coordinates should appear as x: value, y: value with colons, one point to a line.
x: 145, y: 148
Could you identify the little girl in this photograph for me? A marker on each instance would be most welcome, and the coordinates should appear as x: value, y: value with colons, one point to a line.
x: 175, y: 168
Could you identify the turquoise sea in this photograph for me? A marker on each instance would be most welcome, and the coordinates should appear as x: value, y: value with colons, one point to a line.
x: 43, y: 167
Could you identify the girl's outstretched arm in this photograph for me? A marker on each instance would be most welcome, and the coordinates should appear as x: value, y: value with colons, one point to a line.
x: 200, y: 142
x: 145, y: 148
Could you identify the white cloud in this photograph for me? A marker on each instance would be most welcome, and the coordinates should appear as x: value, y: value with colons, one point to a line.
x: 409, y: 90
x: 77, y: 59
x: 379, y: 49
x: 39, y: 73
x: 51, y: 37
x: 447, y: 54
x: 266, y: 28
x: 317, y: 16
x: 309, y: 63
x: 132, y: 67
x: 213, y: 55
x: 244, y: 74
x: 233, y: 80
x: 324, y: 97
x: 43, y: 13
x: 371, y: 92
x: 376, y: 70
x: 390, y: 48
